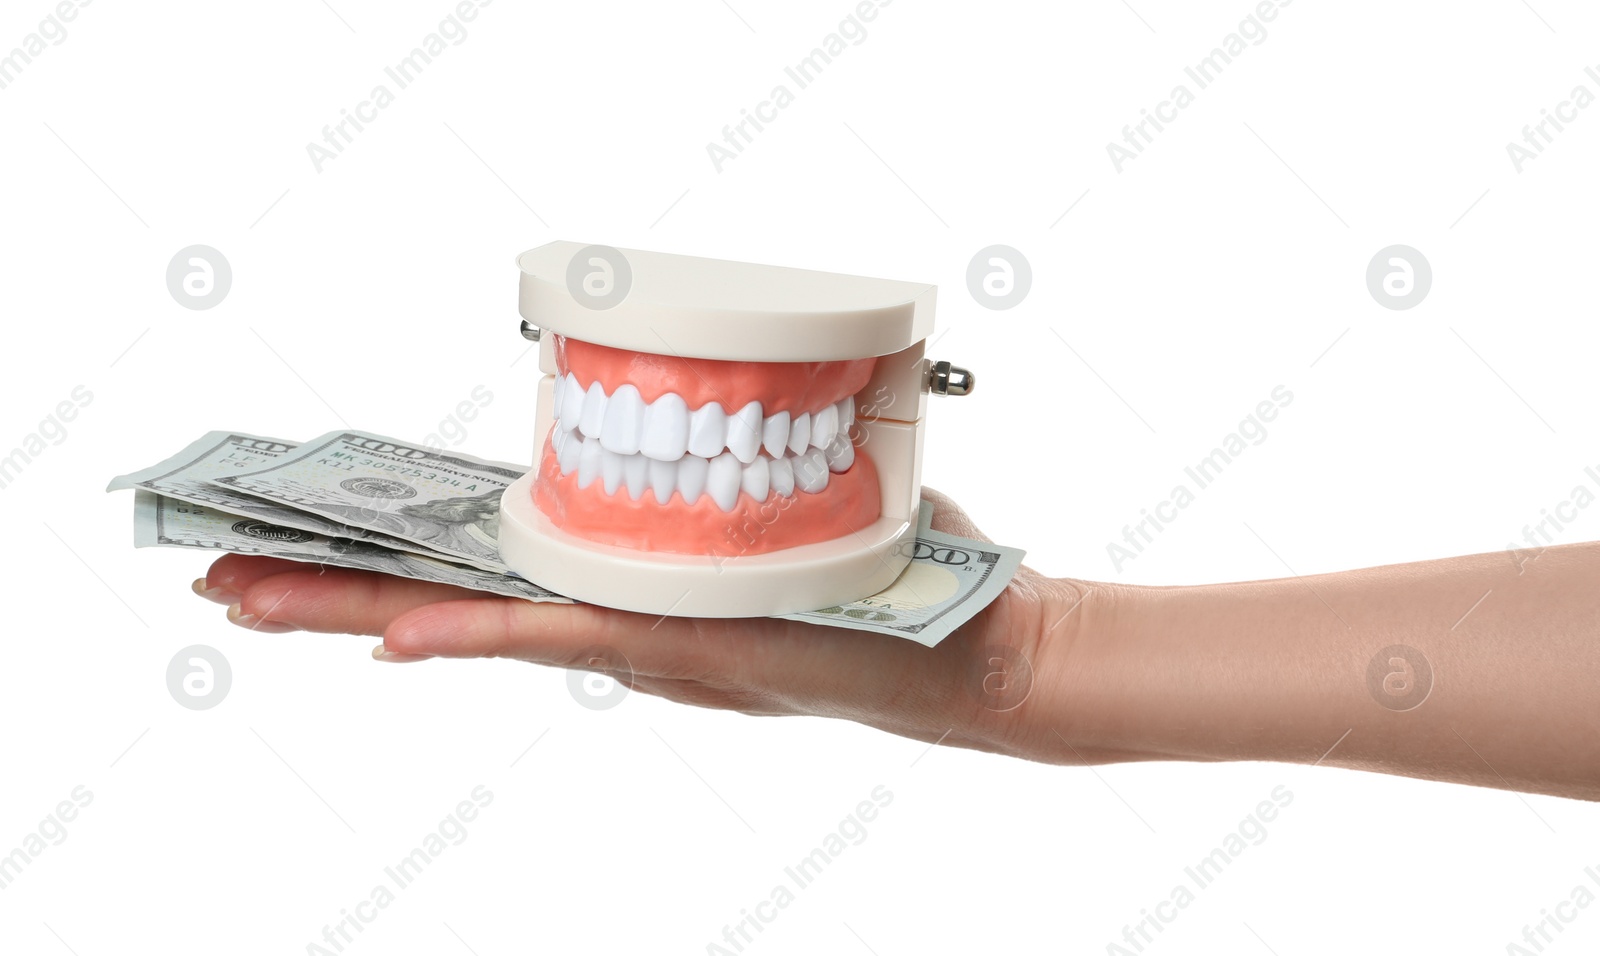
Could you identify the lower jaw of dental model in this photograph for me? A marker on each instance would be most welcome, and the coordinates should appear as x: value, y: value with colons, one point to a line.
x: 704, y: 456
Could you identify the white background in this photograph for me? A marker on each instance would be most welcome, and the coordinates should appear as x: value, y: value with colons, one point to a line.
x: 1226, y: 260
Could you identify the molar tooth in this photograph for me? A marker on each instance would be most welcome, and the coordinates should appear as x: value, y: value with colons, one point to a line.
x: 780, y: 475
x: 775, y: 434
x: 722, y: 480
x: 663, y: 479
x: 824, y: 426
x: 589, y: 452
x: 666, y: 428
x: 594, y: 410
x: 692, y: 471
x: 708, y: 430
x: 568, y: 447
x: 610, y: 470
x: 634, y: 474
x: 810, y: 471
x: 624, y: 415
x: 744, y: 432
x: 571, y: 402
x: 756, y: 478
x: 841, y: 454
x: 800, y: 433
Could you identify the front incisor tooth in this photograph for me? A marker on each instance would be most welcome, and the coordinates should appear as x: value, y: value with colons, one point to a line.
x: 847, y: 413
x: 824, y: 426
x: 800, y: 433
x: 572, y: 402
x: 610, y: 470
x: 594, y: 411
x: 722, y: 480
x: 588, y: 461
x: 663, y: 479
x: 708, y: 430
x: 780, y: 475
x: 810, y: 471
x: 775, y: 434
x: 744, y: 432
x: 692, y: 477
x: 634, y: 469
x: 841, y: 454
x: 756, y: 478
x: 624, y: 417
x: 666, y: 428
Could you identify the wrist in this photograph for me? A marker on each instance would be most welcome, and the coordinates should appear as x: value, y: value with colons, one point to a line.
x: 1132, y: 673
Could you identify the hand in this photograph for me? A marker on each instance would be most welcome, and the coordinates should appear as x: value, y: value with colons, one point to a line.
x: 756, y: 666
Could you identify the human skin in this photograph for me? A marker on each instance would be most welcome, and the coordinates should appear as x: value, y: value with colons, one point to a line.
x: 1263, y: 670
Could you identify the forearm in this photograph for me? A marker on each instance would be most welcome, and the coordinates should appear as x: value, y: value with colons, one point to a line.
x: 1283, y: 670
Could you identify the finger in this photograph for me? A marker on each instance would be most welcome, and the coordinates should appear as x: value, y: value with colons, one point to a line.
x: 335, y: 600
x: 752, y: 653
x: 544, y: 633
x: 949, y: 518
x: 228, y: 577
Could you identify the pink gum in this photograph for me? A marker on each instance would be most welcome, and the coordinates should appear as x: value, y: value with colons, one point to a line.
x: 795, y: 387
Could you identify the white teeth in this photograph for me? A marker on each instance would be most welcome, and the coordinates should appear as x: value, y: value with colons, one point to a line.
x: 825, y: 425
x: 570, y: 404
x: 624, y: 416
x: 568, y: 447
x: 800, y: 433
x: 810, y: 471
x: 780, y: 476
x: 589, y: 461
x: 633, y: 474
x: 663, y: 479
x: 662, y: 447
x: 708, y: 430
x: 756, y: 478
x: 775, y: 434
x: 744, y: 432
x: 610, y: 470
x: 594, y: 410
x: 722, y: 480
x: 666, y: 428
x: 841, y: 454
x: 692, y: 477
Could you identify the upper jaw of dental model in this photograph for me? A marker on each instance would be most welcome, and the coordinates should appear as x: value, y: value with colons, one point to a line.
x: 664, y: 447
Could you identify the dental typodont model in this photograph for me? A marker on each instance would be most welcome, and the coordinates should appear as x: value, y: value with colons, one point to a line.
x: 719, y: 438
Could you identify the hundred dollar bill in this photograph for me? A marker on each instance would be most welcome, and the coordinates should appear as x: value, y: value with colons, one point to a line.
x: 948, y: 581
x: 187, y: 476
x: 160, y: 521
x: 357, y: 500
x: 446, y: 503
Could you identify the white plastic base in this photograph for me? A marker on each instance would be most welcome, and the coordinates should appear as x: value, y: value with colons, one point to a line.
x: 805, y: 578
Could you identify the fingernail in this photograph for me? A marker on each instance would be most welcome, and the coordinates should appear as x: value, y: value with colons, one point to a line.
x: 381, y: 653
x: 254, y: 623
x: 218, y: 595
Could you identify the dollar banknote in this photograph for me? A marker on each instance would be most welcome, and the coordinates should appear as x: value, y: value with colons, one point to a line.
x: 159, y: 521
x: 449, y: 504
x: 358, y: 500
x: 189, y: 474
x: 949, y: 580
